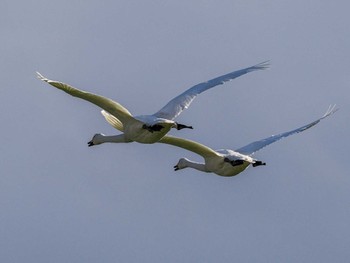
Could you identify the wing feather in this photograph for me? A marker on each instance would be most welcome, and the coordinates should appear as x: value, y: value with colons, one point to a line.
x: 174, y: 107
x: 253, y: 147
x: 189, y: 145
x: 113, y: 120
x: 108, y: 105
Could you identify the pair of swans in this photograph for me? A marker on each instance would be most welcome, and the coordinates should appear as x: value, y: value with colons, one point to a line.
x: 224, y: 162
x: 153, y: 128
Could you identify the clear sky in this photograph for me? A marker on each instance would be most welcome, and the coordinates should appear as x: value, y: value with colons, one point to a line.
x: 61, y: 201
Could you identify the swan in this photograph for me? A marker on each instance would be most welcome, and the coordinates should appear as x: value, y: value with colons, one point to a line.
x: 149, y: 128
x: 226, y: 162
x: 223, y: 162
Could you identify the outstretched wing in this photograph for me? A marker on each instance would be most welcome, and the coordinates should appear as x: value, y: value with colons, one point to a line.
x: 189, y: 145
x: 183, y: 101
x: 253, y: 147
x: 108, y: 105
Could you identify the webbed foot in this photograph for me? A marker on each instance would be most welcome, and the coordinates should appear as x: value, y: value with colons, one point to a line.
x: 182, y: 126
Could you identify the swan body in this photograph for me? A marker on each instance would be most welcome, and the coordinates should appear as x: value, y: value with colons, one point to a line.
x: 213, y: 165
x: 223, y: 162
x: 150, y: 128
x: 226, y: 162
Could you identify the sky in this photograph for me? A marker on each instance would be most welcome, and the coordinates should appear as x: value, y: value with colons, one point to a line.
x: 62, y: 201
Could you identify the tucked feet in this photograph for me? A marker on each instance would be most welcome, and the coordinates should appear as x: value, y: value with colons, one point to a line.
x: 182, y: 126
x: 152, y: 128
x: 233, y: 162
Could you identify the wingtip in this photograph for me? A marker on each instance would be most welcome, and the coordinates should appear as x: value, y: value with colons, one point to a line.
x: 331, y: 109
x: 41, y: 77
x: 261, y: 66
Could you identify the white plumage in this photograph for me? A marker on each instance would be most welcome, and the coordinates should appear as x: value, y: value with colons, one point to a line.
x: 226, y: 162
x: 149, y: 128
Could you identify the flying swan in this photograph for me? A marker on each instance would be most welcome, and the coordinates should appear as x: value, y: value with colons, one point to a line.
x: 223, y: 162
x: 226, y: 162
x: 150, y: 128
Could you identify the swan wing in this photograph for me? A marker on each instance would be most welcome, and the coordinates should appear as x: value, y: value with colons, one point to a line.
x: 253, y: 147
x: 189, y: 145
x: 108, y: 105
x: 174, y: 107
x: 113, y: 120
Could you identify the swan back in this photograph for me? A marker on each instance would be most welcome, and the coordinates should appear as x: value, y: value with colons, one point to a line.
x: 233, y: 155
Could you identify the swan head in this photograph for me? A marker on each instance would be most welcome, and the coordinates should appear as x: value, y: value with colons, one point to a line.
x: 181, y: 164
x: 96, y: 139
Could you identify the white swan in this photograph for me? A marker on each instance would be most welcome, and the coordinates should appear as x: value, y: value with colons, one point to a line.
x: 227, y: 162
x: 149, y: 128
x: 223, y: 162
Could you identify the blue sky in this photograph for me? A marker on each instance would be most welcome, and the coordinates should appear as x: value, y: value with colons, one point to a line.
x: 61, y: 201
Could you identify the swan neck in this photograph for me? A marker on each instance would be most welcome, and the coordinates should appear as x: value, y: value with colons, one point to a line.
x: 196, y: 165
x: 112, y: 138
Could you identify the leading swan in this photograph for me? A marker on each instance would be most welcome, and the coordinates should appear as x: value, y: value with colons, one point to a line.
x: 223, y: 162
x: 150, y: 128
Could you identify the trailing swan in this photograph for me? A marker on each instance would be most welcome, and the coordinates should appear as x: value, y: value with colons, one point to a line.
x: 149, y: 128
x: 227, y: 162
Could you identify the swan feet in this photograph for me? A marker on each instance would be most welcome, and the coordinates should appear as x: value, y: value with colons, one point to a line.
x: 91, y: 143
x: 176, y: 167
x: 152, y: 128
x: 182, y: 126
x: 234, y: 162
x: 158, y: 127
x: 258, y: 163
